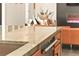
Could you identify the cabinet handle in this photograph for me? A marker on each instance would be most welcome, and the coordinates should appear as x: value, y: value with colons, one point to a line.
x: 45, y: 50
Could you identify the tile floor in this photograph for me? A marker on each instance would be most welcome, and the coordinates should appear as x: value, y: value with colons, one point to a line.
x: 67, y: 52
x: 74, y: 51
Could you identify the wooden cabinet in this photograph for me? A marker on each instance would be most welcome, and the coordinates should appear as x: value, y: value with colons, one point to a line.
x: 58, y: 35
x: 65, y: 36
x: 70, y: 36
x: 54, y: 51
x: 57, y: 49
x: 75, y: 36
x: 37, y: 53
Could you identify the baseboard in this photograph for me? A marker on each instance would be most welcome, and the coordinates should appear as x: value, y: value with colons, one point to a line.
x: 66, y: 46
x: 75, y: 47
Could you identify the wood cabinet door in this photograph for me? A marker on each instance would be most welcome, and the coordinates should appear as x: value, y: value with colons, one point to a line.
x: 66, y: 36
x: 57, y: 49
x: 75, y: 36
x: 58, y: 35
x: 37, y: 53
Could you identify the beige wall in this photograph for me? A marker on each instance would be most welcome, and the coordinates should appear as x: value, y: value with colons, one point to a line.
x: 14, y: 14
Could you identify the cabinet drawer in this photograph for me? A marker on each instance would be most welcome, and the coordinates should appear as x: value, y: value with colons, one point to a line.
x: 75, y: 37
x: 66, y: 36
x: 57, y: 49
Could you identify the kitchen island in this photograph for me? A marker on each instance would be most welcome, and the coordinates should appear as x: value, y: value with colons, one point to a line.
x: 35, y: 36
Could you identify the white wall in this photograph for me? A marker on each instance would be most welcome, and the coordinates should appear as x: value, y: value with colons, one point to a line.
x: 14, y: 14
x: 30, y: 10
x: 26, y: 12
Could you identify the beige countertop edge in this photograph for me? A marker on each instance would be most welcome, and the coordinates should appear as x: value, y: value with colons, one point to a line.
x: 27, y: 47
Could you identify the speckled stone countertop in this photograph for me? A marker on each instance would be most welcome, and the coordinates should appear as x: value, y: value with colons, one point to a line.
x: 33, y: 36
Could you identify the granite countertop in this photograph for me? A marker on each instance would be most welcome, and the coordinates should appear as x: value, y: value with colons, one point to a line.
x: 29, y: 34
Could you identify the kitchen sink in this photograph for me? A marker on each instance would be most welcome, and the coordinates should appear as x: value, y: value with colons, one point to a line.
x: 7, y: 47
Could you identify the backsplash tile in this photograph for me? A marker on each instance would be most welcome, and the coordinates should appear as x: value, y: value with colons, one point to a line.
x: 21, y: 26
x: 10, y: 28
x: 15, y: 27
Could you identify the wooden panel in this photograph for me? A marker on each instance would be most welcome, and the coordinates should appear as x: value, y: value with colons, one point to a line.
x: 57, y: 49
x: 75, y: 36
x: 37, y: 53
x: 65, y: 35
x: 58, y: 42
x: 58, y: 35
